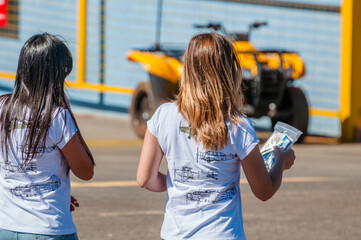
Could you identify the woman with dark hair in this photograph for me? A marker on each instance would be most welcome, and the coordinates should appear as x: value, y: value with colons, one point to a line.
x: 40, y: 142
x: 206, y: 139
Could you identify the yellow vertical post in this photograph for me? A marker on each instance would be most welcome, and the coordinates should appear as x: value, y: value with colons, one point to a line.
x: 350, y: 70
x: 81, y: 40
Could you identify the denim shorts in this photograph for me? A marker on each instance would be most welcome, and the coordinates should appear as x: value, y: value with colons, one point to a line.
x: 12, y: 235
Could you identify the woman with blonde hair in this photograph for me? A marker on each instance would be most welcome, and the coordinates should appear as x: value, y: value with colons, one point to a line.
x: 206, y: 138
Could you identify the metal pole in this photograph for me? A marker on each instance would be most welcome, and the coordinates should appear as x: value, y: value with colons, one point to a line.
x: 102, y: 46
x: 159, y: 24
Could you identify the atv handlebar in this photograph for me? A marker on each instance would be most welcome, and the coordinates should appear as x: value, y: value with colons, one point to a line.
x: 257, y: 25
x: 216, y: 26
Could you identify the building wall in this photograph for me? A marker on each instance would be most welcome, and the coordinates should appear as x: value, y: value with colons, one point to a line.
x: 313, y: 33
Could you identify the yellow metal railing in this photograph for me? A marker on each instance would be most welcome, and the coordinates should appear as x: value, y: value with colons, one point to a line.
x: 106, y: 88
x: 81, y: 83
x: 81, y: 86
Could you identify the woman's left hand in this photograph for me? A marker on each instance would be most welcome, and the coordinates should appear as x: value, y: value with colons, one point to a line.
x: 73, y: 203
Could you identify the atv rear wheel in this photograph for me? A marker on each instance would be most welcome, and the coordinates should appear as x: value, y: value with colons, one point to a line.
x: 296, y: 103
x: 142, y: 108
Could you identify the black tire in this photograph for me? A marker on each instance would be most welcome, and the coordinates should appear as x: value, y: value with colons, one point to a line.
x: 296, y: 103
x: 142, y: 108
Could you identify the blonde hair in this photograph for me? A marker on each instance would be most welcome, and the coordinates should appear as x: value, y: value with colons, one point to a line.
x: 210, y: 88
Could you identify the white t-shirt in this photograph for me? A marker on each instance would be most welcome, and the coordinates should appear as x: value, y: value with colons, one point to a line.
x: 203, y: 196
x: 36, y: 199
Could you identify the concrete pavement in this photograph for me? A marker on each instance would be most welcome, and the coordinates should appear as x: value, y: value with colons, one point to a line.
x: 320, y: 197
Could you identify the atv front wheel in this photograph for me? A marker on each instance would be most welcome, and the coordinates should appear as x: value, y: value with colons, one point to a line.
x: 296, y: 102
x: 142, y: 108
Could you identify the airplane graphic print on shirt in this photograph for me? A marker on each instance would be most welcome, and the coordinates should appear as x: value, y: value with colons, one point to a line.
x: 212, y: 156
x: 10, y: 167
x: 192, y: 173
x: 37, y: 189
x: 185, y: 174
x: 33, y: 189
x: 212, y: 196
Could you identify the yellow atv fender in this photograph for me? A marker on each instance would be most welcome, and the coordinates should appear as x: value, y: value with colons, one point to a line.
x: 158, y: 64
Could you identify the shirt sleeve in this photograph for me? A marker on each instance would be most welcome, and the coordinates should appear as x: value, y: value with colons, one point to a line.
x: 153, y: 123
x: 246, y: 138
x: 62, y: 128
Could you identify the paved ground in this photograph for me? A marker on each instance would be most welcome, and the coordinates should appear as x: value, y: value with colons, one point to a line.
x: 319, y: 199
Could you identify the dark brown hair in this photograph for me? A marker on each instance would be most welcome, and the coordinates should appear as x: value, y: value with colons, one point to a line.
x: 44, y: 62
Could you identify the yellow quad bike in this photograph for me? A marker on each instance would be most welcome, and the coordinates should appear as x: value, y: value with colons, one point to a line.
x: 267, y: 79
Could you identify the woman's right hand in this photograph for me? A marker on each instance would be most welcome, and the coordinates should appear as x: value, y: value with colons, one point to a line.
x: 287, y: 157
